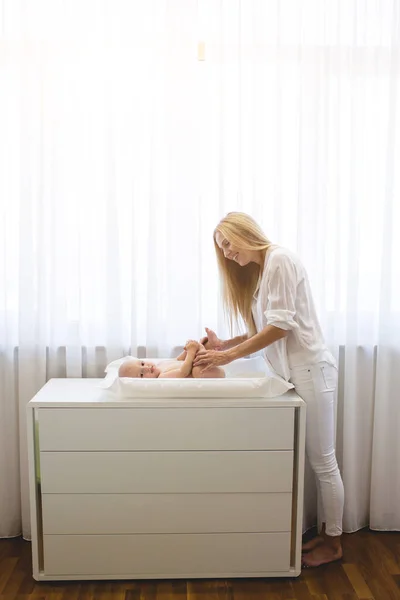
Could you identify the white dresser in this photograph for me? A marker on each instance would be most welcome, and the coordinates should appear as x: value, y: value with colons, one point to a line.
x: 164, y: 488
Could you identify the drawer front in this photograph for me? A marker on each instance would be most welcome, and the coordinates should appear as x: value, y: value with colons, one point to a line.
x: 165, y: 513
x: 166, y: 555
x: 166, y: 428
x: 167, y: 472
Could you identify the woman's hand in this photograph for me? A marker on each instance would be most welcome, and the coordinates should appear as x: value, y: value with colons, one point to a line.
x: 212, y: 340
x: 211, y: 358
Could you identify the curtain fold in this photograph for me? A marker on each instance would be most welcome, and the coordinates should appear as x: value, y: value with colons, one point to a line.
x: 128, y: 129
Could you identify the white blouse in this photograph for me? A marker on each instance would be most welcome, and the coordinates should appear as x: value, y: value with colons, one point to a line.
x: 283, y: 298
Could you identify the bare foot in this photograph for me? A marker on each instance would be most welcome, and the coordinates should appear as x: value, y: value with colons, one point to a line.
x: 212, y: 341
x: 316, y: 541
x: 321, y: 555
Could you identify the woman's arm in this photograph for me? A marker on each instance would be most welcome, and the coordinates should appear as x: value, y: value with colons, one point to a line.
x: 239, y: 339
x: 212, y: 358
x: 223, y: 344
x: 213, y: 342
x: 267, y: 336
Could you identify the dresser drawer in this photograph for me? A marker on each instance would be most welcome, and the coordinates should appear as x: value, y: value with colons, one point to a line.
x: 166, y: 472
x: 166, y: 428
x: 165, y: 513
x: 166, y: 555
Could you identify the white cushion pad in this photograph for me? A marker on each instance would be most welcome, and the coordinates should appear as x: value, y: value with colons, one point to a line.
x: 245, y: 378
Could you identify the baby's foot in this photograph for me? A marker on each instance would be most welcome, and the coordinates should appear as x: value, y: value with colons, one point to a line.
x: 214, y: 343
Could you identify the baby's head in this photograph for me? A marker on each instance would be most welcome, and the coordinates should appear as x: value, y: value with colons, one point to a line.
x: 135, y: 367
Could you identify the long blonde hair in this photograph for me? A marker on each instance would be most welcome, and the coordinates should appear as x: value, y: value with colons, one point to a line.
x: 239, y: 283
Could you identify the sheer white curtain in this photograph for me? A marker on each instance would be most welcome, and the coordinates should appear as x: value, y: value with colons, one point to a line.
x: 120, y: 149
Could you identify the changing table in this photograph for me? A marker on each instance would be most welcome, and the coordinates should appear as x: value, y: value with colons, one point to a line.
x: 164, y: 488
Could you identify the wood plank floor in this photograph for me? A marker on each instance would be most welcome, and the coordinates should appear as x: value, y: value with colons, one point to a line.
x: 370, y: 570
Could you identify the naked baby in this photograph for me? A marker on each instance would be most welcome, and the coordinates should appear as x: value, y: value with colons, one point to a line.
x: 177, y: 368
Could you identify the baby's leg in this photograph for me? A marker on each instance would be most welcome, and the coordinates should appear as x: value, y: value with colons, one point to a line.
x: 204, y: 346
x: 183, y: 354
x: 213, y: 373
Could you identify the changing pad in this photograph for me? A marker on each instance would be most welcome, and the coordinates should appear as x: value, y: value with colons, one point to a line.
x: 245, y: 378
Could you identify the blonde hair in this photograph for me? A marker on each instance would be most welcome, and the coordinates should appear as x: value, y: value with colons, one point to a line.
x: 239, y: 283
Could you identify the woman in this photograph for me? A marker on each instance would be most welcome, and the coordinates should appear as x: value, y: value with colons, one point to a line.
x: 267, y: 286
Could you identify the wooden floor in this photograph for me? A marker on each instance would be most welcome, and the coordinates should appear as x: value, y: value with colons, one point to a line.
x: 370, y: 569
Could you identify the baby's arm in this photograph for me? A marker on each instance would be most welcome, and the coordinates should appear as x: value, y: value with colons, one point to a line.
x: 186, y: 368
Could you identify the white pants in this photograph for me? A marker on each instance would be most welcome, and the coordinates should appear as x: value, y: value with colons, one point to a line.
x: 316, y: 385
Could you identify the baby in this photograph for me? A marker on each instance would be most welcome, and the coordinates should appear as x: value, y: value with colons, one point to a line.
x: 180, y: 367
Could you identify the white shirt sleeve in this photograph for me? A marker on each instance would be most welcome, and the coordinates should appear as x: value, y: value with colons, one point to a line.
x: 281, y: 292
